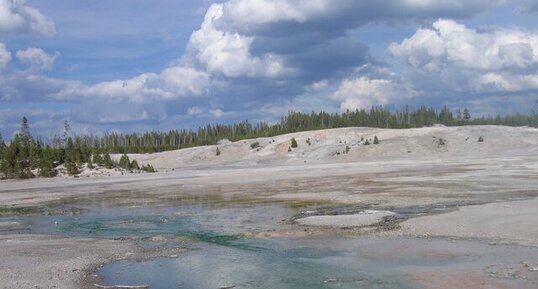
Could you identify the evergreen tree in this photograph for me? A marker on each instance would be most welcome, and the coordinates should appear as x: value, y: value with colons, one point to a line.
x: 2, y: 142
x: 466, y: 115
x: 107, y: 161
x: 134, y: 165
x: 23, y: 154
x: 2, y: 147
x: 148, y: 168
x: 294, y: 143
x: 445, y: 116
x: 125, y: 163
x: 71, y: 158
x: 67, y: 129
x: 376, y: 140
x: 24, y: 133
x: 97, y: 158
x: 46, y: 163
x: 10, y: 164
x: 71, y: 168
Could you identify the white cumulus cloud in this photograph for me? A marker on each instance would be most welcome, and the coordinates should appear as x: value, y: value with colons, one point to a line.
x: 171, y: 83
x: 36, y: 58
x: 363, y: 92
x: 16, y: 16
x: 229, y: 52
x: 496, y: 59
x: 253, y: 38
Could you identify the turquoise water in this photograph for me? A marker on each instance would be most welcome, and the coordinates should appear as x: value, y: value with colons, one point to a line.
x: 274, y: 263
x: 219, y: 256
x: 333, y: 262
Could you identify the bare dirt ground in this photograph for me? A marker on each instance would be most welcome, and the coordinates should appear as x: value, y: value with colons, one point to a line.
x: 455, y: 188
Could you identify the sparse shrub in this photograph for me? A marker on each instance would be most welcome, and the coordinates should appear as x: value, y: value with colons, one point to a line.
x: 347, y: 149
x: 480, y: 139
x: 309, y: 142
x: 217, y: 152
x: 71, y: 168
x: 367, y: 143
x: 255, y: 145
x: 289, y: 149
x: 148, y: 168
x: 294, y: 143
x: 441, y: 142
x: 134, y: 165
x: 376, y: 140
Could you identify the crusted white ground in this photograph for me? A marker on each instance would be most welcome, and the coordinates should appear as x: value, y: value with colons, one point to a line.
x: 364, y: 218
x: 408, y: 168
x: 328, y: 146
x: 511, y: 222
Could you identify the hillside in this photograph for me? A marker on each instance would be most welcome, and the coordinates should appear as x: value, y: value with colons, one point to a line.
x: 329, y: 146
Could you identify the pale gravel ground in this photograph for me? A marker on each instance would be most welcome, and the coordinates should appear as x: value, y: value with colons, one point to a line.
x: 364, y: 218
x: 512, y: 222
x: 36, y: 261
x: 407, y: 169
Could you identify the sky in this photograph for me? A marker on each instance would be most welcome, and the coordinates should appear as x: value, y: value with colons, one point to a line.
x: 138, y: 65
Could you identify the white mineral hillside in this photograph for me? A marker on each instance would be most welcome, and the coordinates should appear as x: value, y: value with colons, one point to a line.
x: 348, y: 145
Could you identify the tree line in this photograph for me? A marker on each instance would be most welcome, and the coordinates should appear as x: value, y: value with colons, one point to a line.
x: 379, y: 117
x: 25, y: 156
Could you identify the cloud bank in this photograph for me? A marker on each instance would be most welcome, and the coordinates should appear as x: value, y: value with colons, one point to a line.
x: 259, y: 58
x: 16, y: 16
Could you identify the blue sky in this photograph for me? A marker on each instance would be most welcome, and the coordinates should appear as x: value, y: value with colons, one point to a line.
x: 135, y: 65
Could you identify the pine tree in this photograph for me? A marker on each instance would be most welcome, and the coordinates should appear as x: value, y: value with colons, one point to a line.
x: 46, y: 163
x: 466, y: 115
x: 107, y: 161
x: 125, y: 163
x: 10, y: 165
x: 294, y: 143
x: 97, y: 158
x: 148, y: 168
x: 2, y: 143
x: 2, y: 147
x: 134, y: 165
x: 67, y: 129
x: 71, y: 168
x: 24, y: 133
x: 23, y: 157
x: 376, y: 140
